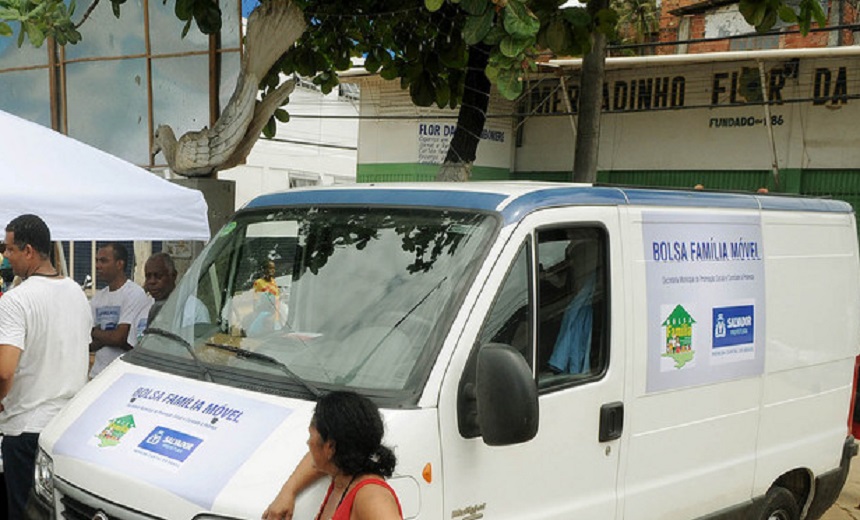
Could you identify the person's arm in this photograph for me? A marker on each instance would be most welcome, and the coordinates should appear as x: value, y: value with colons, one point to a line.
x: 9, y: 357
x: 302, y: 477
x: 375, y: 503
x: 117, y: 337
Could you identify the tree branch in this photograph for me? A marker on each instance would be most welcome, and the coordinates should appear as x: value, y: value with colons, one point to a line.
x: 87, y: 14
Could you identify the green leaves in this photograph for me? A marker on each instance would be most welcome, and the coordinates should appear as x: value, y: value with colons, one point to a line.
x: 184, y: 9
x: 282, y: 115
x: 475, y: 7
x: 513, y: 46
x: 787, y: 14
x: 509, y: 84
x: 34, y: 32
x: 519, y: 21
x: 763, y: 14
x: 752, y: 10
x: 207, y: 14
x: 423, y: 91
x: 566, y: 32
x: 512, y: 29
x: 433, y: 5
x: 454, y: 54
x: 376, y: 59
x: 477, y: 27
x: 558, y: 36
x: 38, y: 20
x: 809, y: 10
x: 326, y: 81
x: 271, y: 128
x: 606, y: 20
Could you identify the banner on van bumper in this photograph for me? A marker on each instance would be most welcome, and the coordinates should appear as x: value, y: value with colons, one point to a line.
x: 705, y: 297
x: 185, y: 437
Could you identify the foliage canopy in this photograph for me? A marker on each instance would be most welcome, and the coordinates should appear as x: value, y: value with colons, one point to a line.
x: 423, y: 43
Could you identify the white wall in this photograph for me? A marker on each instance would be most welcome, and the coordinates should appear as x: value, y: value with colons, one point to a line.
x: 412, y: 137
x: 314, y: 149
x: 701, y: 135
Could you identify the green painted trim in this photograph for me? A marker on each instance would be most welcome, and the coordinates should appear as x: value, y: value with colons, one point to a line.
x: 543, y: 176
x: 733, y: 180
x: 791, y: 180
x: 842, y: 184
x: 413, y: 172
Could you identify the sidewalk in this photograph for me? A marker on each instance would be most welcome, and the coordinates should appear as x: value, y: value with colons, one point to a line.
x: 847, y: 506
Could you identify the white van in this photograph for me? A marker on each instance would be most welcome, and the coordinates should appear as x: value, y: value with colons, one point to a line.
x: 546, y: 351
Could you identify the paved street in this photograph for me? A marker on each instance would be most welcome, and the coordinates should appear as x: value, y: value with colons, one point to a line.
x: 848, y: 505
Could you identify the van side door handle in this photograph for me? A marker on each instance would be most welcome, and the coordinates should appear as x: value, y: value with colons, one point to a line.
x: 611, y: 421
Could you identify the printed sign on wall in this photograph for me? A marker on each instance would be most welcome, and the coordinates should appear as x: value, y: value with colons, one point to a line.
x: 434, y: 139
x: 705, y: 294
x: 187, y: 437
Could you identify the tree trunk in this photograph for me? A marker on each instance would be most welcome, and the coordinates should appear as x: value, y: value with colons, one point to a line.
x: 590, y: 103
x: 470, y: 120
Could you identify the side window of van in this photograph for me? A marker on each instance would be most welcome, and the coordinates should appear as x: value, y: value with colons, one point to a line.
x: 572, y: 305
x: 509, y: 320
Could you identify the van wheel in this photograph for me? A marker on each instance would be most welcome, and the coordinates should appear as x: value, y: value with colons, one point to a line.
x: 779, y: 504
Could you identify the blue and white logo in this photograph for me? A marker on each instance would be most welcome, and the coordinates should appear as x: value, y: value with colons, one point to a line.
x: 733, y: 325
x: 170, y: 443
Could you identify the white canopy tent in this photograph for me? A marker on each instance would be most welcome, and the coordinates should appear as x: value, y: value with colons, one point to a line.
x: 83, y: 193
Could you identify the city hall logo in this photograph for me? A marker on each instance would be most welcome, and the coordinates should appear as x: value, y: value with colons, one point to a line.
x: 170, y: 443
x: 679, y: 337
x: 733, y: 326
x: 115, y: 430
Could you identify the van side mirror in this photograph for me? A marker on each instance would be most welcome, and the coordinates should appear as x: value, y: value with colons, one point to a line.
x: 507, y: 396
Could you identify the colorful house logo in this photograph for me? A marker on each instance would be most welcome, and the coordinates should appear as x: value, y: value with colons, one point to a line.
x: 115, y: 430
x: 679, y: 336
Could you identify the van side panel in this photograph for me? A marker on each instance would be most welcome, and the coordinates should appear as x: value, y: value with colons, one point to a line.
x: 690, y: 451
x: 812, y: 340
x: 695, y: 450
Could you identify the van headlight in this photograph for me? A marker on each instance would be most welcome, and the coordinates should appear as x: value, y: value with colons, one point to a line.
x: 44, y: 483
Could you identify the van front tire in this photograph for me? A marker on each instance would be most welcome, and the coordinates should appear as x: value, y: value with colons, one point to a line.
x: 779, y: 504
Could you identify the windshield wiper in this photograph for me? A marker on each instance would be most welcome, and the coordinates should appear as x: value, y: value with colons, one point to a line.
x: 247, y: 354
x: 182, y: 341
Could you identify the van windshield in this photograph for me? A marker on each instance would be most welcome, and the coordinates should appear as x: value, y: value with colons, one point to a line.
x: 318, y: 297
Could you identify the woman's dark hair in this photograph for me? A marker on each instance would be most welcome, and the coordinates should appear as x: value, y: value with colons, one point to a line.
x: 355, y: 426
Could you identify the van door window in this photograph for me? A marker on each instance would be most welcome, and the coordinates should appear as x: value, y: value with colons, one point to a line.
x: 566, y: 341
x: 509, y: 320
x: 572, y: 305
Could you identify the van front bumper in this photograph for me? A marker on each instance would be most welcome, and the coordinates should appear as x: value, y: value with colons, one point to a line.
x: 38, y: 509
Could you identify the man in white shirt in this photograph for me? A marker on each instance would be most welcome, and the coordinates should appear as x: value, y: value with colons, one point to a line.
x: 119, y: 309
x: 44, y: 330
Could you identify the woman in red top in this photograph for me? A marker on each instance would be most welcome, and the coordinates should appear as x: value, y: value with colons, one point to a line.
x: 345, y: 442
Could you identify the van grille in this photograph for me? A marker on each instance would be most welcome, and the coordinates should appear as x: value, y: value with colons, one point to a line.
x: 74, y: 510
x: 77, y: 504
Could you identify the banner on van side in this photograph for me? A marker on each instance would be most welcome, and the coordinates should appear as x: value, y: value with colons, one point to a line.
x: 176, y: 435
x: 705, y: 296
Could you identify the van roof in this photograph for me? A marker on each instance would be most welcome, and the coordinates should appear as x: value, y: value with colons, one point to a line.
x: 514, y: 200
